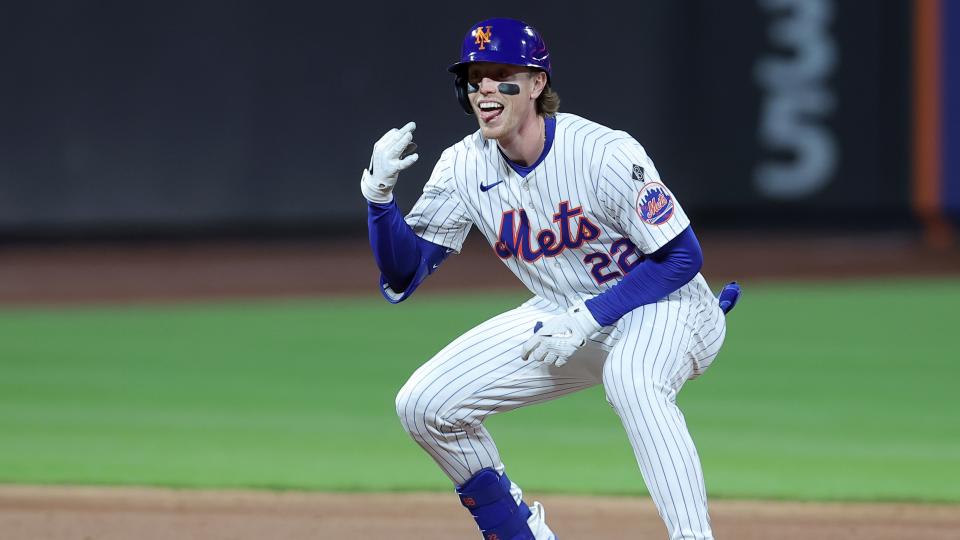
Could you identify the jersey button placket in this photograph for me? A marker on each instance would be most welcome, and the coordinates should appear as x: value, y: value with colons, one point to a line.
x: 548, y: 265
x: 525, y: 193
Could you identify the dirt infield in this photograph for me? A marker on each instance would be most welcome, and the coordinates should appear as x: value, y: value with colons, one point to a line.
x: 50, y: 513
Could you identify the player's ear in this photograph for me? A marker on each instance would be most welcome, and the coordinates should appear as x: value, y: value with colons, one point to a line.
x: 539, y: 83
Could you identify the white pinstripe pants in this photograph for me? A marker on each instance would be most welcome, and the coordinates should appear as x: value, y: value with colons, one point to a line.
x: 642, y: 362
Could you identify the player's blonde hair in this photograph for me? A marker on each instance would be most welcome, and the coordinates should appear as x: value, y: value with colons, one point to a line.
x: 549, y: 102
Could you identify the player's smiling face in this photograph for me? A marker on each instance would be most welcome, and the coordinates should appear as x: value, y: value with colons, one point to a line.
x: 501, y: 114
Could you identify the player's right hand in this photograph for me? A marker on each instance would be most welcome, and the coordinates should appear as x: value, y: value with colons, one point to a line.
x: 556, y: 340
x: 393, y: 153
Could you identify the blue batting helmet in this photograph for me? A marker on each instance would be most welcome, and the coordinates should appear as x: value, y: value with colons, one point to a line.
x: 501, y: 41
x: 504, y: 41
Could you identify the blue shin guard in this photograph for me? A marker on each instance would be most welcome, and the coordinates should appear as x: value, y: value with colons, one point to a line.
x: 487, y: 496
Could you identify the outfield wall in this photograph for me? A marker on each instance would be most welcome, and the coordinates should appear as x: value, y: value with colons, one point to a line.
x: 123, y: 118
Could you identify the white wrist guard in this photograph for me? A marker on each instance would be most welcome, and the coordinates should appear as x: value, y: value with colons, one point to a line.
x: 374, y: 191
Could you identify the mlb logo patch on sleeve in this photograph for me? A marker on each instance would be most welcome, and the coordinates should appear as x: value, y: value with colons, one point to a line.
x: 655, y: 204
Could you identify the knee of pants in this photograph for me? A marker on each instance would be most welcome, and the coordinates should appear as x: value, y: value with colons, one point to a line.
x: 625, y: 388
x: 406, y: 403
x: 420, y: 415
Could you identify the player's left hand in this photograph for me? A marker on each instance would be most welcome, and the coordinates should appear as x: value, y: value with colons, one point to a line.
x: 555, y: 341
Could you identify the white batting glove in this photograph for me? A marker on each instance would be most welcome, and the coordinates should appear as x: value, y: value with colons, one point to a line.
x: 393, y: 153
x: 561, y: 336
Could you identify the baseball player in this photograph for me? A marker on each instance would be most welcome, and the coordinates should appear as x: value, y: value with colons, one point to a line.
x: 578, y: 212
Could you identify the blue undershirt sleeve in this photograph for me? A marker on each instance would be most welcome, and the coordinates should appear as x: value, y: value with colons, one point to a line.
x: 404, y: 259
x: 661, y: 273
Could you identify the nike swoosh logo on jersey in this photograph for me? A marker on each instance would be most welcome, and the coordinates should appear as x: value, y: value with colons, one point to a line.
x: 487, y: 188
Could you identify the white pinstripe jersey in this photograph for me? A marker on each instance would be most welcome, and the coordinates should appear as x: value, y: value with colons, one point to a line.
x: 572, y: 227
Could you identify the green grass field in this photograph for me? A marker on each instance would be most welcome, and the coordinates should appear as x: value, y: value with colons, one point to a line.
x: 833, y: 392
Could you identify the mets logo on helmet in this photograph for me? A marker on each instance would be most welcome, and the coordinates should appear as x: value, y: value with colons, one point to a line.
x: 655, y: 204
x: 482, y: 37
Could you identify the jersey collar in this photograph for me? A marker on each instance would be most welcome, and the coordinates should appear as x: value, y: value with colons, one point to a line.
x: 550, y: 127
